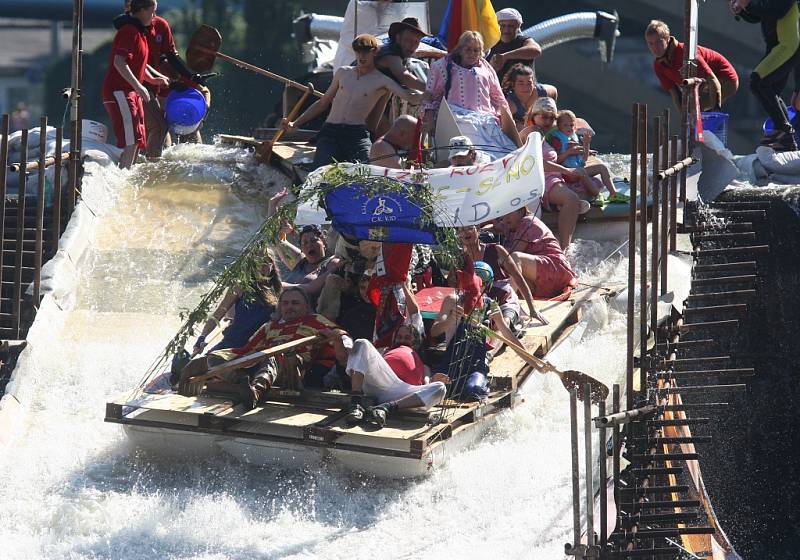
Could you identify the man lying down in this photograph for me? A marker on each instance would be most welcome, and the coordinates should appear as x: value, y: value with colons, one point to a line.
x: 397, y: 379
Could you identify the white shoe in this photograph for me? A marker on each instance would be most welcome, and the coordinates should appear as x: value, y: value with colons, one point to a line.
x: 583, y: 206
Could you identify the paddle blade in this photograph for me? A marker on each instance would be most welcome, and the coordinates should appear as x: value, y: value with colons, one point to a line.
x: 202, y: 49
x: 573, y: 379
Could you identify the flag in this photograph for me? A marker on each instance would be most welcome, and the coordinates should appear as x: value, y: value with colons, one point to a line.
x: 469, y: 15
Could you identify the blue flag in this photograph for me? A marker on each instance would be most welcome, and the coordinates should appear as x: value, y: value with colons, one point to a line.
x: 386, y: 217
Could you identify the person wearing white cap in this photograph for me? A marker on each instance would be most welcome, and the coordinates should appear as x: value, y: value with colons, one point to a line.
x: 513, y: 47
x: 462, y: 152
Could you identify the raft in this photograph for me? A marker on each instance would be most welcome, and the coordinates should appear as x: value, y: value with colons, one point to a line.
x: 309, y: 430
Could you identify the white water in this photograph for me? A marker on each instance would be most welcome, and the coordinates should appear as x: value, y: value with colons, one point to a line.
x: 71, y: 486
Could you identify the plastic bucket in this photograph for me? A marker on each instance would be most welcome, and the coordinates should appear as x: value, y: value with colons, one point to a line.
x: 717, y: 123
x: 185, y: 110
x: 769, y: 126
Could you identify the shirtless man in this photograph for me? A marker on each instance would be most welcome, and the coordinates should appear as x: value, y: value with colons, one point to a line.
x: 353, y: 93
x: 389, y: 149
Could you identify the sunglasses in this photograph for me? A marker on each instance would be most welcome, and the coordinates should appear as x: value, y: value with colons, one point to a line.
x: 313, y: 228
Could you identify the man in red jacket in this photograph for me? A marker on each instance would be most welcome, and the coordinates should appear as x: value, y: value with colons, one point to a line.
x: 721, y: 78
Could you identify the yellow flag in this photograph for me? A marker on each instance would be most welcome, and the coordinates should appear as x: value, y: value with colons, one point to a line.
x: 487, y: 24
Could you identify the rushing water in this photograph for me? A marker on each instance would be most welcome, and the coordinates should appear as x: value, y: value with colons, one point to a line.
x: 72, y: 487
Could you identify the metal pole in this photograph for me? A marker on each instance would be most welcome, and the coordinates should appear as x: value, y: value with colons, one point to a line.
x: 615, y: 444
x: 3, y: 179
x: 20, y: 239
x: 654, y: 266
x: 643, y: 252
x: 37, y: 256
x: 632, y: 251
x: 665, y: 210
x: 673, y: 196
x: 587, y: 431
x: 57, y: 191
x: 576, y: 488
x: 601, y: 411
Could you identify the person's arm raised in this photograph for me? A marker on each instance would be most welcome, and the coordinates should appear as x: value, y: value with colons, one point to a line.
x: 318, y: 107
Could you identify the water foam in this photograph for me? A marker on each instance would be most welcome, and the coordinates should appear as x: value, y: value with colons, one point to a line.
x: 73, y: 488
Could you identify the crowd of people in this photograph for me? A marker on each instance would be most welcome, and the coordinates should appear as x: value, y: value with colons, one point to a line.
x: 360, y: 298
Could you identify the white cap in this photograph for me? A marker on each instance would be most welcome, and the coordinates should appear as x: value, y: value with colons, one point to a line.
x: 509, y: 14
x: 460, y: 146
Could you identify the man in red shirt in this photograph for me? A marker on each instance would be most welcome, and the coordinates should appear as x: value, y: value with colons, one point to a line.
x: 296, y: 321
x: 721, y: 78
x: 123, y: 88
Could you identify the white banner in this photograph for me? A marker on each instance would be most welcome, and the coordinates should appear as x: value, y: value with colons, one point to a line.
x: 466, y: 195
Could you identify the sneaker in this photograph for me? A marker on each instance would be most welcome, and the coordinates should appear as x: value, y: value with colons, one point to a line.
x: 378, y: 414
x: 355, y: 414
x: 583, y: 206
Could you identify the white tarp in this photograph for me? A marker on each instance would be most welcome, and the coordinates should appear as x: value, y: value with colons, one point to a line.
x: 374, y: 18
x: 467, y: 195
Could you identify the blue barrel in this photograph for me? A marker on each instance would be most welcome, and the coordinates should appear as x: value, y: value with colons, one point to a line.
x: 717, y: 123
x: 185, y: 110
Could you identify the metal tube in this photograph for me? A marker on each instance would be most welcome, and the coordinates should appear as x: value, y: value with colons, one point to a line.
x: 576, y: 490
x: 615, y: 444
x: 673, y: 197
x: 632, y: 252
x: 665, y: 208
x: 37, y: 256
x: 587, y: 434
x: 601, y: 411
x: 643, y: 254
x: 655, y: 221
x: 676, y: 167
x: 625, y: 416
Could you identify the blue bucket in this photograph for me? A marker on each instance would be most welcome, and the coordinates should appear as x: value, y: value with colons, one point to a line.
x: 769, y: 126
x: 185, y: 110
x: 717, y: 123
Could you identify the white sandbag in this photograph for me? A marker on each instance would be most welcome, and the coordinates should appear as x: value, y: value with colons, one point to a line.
x: 785, y: 163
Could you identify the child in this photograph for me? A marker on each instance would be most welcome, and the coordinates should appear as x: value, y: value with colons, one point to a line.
x: 572, y: 154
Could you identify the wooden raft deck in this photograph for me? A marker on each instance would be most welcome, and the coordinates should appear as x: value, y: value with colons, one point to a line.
x: 316, y: 418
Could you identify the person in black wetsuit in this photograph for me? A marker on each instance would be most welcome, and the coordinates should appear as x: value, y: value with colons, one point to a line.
x: 513, y: 47
x: 779, y: 26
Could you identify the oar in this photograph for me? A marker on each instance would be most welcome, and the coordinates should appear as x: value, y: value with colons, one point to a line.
x: 571, y: 379
x: 197, y: 372
x: 264, y: 151
x: 203, y: 49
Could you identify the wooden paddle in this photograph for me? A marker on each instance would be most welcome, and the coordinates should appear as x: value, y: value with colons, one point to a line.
x: 197, y: 372
x: 264, y: 151
x: 571, y: 379
x: 203, y: 50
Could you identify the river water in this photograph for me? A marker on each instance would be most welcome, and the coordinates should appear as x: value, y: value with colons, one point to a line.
x: 72, y: 487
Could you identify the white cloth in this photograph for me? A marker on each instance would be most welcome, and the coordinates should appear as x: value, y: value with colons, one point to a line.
x: 509, y: 14
x: 382, y: 383
x: 490, y: 141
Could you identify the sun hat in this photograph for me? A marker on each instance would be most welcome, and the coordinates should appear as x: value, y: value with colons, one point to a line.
x: 460, y: 146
